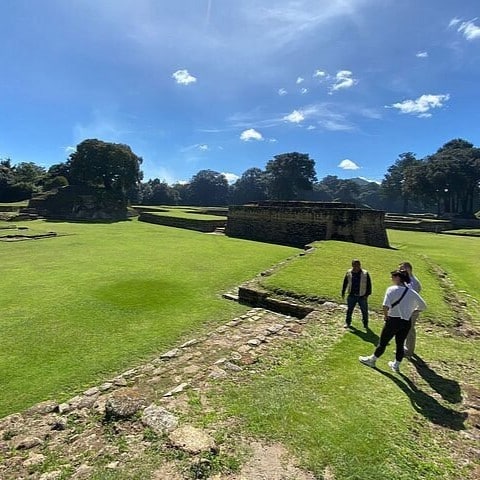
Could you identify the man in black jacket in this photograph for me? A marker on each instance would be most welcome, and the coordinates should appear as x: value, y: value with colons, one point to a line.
x: 358, y: 285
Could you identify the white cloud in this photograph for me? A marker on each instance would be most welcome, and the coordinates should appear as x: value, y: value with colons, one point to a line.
x: 470, y: 30
x: 282, y: 92
x: 348, y: 165
x: 343, y: 79
x: 231, y: 177
x: 311, y: 127
x: 422, y: 105
x: 203, y: 147
x: 272, y: 140
x: 299, y: 80
x: 182, y: 77
x: 295, y: 117
x: 250, y: 134
x: 454, y: 22
x: 303, y: 91
x: 421, y: 54
x: 70, y: 149
x: 378, y: 182
x: 319, y: 74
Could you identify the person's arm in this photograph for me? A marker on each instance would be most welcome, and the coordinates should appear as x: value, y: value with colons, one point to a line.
x: 421, y: 305
x: 386, y: 304
x: 369, y: 285
x: 344, y: 287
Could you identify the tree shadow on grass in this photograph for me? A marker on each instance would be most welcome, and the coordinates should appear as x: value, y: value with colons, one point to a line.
x: 367, y: 336
x: 428, y: 406
x: 449, y: 389
x: 99, y: 220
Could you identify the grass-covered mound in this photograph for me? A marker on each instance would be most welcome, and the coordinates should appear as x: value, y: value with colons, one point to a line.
x: 321, y: 273
x: 101, y: 297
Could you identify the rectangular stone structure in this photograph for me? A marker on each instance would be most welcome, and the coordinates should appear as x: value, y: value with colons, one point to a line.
x: 299, y: 223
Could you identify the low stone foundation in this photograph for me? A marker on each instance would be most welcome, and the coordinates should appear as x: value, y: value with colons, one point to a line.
x: 300, y: 223
x: 205, y: 226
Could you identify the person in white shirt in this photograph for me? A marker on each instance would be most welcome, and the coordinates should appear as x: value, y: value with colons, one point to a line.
x: 398, y: 305
x: 414, y: 284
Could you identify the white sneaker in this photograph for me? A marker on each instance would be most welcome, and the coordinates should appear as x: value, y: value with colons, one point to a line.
x: 394, y: 366
x: 368, y: 361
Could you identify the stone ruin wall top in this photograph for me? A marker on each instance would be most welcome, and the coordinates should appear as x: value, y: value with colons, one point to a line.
x: 300, y: 223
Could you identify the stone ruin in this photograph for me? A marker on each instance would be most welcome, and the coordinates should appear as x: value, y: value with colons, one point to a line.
x: 76, y: 202
x: 297, y: 224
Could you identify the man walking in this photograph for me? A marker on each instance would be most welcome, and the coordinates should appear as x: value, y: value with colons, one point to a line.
x: 414, y: 284
x: 398, y: 305
x: 358, y: 285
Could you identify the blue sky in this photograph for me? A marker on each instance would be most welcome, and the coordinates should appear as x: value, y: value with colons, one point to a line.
x: 227, y: 84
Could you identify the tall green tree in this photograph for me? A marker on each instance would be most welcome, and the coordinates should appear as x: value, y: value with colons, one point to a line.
x: 393, y: 184
x: 250, y: 187
x: 290, y: 174
x: 208, y: 188
x: 112, y: 165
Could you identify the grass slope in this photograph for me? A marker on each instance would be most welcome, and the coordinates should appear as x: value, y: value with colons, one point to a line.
x: 321, y: 274
x: 362, y: 424
x: 104, y: 296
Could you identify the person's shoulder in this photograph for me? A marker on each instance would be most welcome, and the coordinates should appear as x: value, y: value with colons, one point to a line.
x: 392, y: 289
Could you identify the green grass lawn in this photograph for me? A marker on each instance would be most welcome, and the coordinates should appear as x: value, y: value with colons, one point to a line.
x: 76, y: 308
x: 474, y: 232
x: 458, y: 256
x: 363, y: 424
x: 321, y: 273
x: 189, y: 215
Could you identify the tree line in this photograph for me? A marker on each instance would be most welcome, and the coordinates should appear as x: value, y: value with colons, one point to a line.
x: 447, y: 181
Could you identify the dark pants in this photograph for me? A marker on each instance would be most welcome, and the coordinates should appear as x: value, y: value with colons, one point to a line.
x: 394, y: 327
x: 352, y: 300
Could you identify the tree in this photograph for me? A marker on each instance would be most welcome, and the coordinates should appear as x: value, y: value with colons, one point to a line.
x: 112, y: 165
x: 250, y: 187
x: 290, y: 174
x: 157, y: 192
x: 55, y: 182
x: 450, y: 177
x: 208, y: 188
x: 393, y: 183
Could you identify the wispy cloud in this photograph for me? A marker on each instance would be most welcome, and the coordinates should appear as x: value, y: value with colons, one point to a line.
x: 421, y: 54
x: 282, y: 92
x: 422, y: 105
x: 68, y: 150
x: 469, y: 29
x: 182, y: 77
x: 294, y: 117
x: 303, y: 91
x: 299, y: 80
x: 343, y: 80
x: 348, y: 164
x: 320, y: 74
x: 250, y: 134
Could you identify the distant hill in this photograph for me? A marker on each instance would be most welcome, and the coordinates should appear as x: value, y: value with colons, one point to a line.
x: 363, y: 181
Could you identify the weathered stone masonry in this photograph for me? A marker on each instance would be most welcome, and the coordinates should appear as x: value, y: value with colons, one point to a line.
x: 300, y: 223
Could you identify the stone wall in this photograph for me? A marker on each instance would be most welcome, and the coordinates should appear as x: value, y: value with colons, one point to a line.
x: 199, y: 225
x: 300, y: 223
x: 76, y: 202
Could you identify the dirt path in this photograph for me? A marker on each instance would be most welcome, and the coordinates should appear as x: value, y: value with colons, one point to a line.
x: 112, y: 427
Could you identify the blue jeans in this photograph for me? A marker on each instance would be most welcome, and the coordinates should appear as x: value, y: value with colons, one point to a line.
x: 352, y: 300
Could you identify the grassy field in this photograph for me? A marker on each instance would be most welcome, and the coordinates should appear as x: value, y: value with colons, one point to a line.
x: 178, y: 213
x: 356, y: 423
x: 359, y: 423
x: 321, y: 273
x: 76, y: 308
x: 474, y: 232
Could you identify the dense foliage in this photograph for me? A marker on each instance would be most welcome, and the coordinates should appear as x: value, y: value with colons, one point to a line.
x: 446, y: 182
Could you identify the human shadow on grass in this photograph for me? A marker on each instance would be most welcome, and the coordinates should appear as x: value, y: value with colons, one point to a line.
x: 449, y: 389
x: 428, y: 406
x: 367, y: 336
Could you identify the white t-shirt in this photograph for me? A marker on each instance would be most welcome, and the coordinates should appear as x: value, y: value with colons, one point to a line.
x: 410, y: 302
x: 414, y: 283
